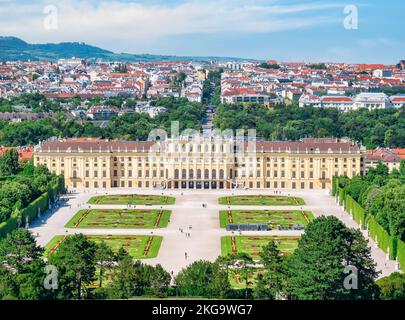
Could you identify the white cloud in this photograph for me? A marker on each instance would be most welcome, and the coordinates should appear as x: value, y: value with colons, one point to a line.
x: 99, y: 21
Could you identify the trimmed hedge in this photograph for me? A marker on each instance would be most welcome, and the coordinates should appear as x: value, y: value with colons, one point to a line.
x: 384, y: 241
x: 56, y: 186
x: 9, y: 225
x: 401, y: 254
x: 356, y: 210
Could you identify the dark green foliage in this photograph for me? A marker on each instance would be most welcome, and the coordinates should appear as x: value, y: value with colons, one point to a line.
x: 21, y: 267
x: 131, y: 279
x: 133, y: 126
x: 382, y: 196
x: 315, y: 271
x: 266, y: 65
x: 392, y: 287
x: 9, y: 163
x: 203, y: 279
x: 76, y: 264
x: 292, y: 123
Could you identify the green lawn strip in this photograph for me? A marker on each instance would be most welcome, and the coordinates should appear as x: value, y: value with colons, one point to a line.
x: 164, y: 221
x: 132, y: 199
x: 271, y: 217
x: 51, y: 244
x: 135, y: 245
x: 154, y: 249
x: 223, y: 218
x: 119, y: 219
x: 268, y: 200
x: 226, y: 246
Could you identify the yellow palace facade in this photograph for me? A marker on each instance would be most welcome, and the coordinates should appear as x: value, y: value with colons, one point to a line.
x: 203, y: 164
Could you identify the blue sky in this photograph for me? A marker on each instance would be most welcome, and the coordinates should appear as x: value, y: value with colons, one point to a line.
x: 285, y: 30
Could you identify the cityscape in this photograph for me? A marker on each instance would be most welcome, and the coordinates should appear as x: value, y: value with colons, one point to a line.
x: 194, y: 176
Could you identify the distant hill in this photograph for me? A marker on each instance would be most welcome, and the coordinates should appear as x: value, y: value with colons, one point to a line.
x: 13, y: 49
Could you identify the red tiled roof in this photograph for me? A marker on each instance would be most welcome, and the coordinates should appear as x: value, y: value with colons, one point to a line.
x: 310, y: 146
x: 398, y: 99
x: 337, y: 99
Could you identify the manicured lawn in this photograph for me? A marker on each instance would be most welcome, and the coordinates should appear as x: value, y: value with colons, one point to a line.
x: 260, y: 200
x: 252, y: 244
x: 135, y: 245
x: 133, y: 199
x: 270, y: 217
x: 120, y: 219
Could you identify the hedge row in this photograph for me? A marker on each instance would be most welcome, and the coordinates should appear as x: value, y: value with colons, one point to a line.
x: 30, y: 213
x: 401, y: 254
x: 382, y: 238
x: 387, y: 243
x: 356, y: 210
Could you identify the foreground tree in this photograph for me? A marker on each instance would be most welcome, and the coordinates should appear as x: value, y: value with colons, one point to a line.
x: 132, y: 278
x: 127, y: 280
x: 203, y: 279
x: 317, y: 269
x: 76, y: 264
x: 269, y: 282
x: 105, y: 259
x: 392, y: 287
x: 21, y: 267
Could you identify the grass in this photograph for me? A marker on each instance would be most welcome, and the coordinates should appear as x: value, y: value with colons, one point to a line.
x: 120, y: 219
x: 260, y: 200
x: 252, y: 244
x: 132, y: 199
x: 134, y: 245
x: 270, y: 217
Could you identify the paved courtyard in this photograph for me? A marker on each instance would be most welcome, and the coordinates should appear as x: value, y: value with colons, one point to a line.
x: 188, y: 211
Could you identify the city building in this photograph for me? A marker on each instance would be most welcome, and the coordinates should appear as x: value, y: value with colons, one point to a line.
x: 398, y: 101
x: 205, y: 164
x: 391, y: 158
x: 371, y: 101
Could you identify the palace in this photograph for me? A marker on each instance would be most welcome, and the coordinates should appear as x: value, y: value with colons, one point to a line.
x: 209, y: 163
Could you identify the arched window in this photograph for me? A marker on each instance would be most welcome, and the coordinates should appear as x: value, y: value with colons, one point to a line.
x: 214, y: 174
x: 221, y: 174
x: 199, y: 174
x: 184, y: 174
x: 176, y: 173
x: 206, y: 174
x: 191, y: 173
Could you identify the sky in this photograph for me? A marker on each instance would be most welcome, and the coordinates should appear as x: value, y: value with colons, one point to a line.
x: 283, y: 30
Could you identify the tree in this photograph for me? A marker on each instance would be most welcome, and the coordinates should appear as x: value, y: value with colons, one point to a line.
x: 18, y: 248
x: 76, y: 264
x: 21, y: 267
x: 203, y: 279
x: 269, y: 282
x: 128, y: 280
x: 105, y: 259
x: 9, y: 163
x: 392, y: 287
x: 158, y: 281
x: 121, y: 254
x: 402, y: 168
x: 316, y: 270
x: 262, y: 291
